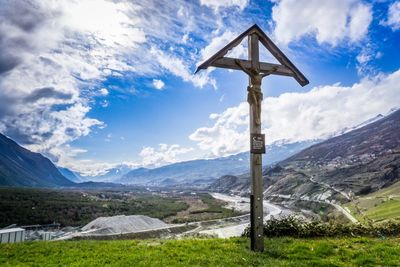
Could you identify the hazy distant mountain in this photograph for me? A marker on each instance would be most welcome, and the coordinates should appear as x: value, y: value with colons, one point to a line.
x: 110, y: 175
x: 21, y: 167
x: 204, y: 171
x: 70, y: 175
x: 357, y: 162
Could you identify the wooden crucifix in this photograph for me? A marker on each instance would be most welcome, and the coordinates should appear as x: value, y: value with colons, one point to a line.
x: 256, y: 71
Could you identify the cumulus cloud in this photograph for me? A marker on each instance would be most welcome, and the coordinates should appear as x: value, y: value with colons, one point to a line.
x: 54, y: 56
x: 66, y: 157
x: 165, y: 154
x: 158, y: 84
x: 51, y: 52
x: 328, y: 21
x: 103, y: 92
x: 317, y: 114
x: 393, y: 18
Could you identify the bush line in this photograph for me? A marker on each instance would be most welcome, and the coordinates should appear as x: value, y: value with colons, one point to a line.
x: 291, y: 226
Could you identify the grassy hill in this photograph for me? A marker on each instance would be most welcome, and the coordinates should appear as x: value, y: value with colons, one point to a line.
x: 204, y: 252
x: 379, y: 206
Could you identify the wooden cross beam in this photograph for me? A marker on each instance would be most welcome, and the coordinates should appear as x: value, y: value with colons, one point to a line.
x: 286, y: 67
x: 256, y: 71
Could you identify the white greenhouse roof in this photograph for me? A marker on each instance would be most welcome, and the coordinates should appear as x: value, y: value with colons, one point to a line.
x: 2, y: 231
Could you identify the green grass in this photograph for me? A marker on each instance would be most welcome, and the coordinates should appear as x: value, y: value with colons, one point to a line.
x: 379, y: 206
x: 204, y: 252
x: 389, y: 209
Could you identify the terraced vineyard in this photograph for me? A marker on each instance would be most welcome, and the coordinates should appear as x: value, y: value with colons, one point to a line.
x: 379, y: 206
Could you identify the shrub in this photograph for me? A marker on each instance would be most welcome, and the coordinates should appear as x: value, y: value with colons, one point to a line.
x: 296, y: 227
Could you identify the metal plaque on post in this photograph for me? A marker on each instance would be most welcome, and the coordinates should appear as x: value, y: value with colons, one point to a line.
x: 257, y: 143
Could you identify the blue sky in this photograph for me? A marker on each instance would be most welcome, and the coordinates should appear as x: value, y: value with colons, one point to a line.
x: 95, y: 83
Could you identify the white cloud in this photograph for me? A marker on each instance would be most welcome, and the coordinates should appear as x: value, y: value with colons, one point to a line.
x: 185, y: 38
x: 179, y: 68
x: 330, y: 21
x: 165, y: 154
x: 217, y: 4
x: 227, y: 135
x: 218, y: 42
x: 365, y: 60
x: 103, y: 92
x: 393, y: 19
x: 213, y: 116
x: 70, y: 44
x: 56, y: 127
x: 158, y: 84
x: 55, y: 54
x: 319, y: 113
x: 360, y: 19
x: 66, y: 157
x: 151, y: 157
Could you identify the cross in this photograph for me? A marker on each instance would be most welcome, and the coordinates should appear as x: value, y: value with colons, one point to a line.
x: 256, y: 71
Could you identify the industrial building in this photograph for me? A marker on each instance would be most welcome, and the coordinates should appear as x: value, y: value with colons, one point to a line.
x: 12, y: 235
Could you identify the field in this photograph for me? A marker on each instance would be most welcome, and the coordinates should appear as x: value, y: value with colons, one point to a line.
x: 76, y: 208
x: 202, y: 207
x: 204, y: 252
x: 379, y: 206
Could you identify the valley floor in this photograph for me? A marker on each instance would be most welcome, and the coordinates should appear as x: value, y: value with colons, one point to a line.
x: 204, y: 252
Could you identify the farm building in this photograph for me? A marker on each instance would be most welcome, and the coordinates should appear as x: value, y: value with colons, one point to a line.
x: 12, y: 235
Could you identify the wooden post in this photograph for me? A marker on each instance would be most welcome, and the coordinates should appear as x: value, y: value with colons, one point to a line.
x: 256, y: 71
x: 255, y: 98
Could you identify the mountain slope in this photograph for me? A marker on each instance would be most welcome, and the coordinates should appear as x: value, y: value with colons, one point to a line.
x: 204, y: 171
x: 21, y: 167
x: 70, y: 175
x: 355, y: 163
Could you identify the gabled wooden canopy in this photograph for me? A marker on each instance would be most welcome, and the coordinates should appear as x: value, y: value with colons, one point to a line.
x: 286, y: 68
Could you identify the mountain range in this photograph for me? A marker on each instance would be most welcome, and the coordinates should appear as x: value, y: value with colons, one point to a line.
x: 21, y: 167
x: 199, y: 173
x: 357, y: 162
x: 361, y: 160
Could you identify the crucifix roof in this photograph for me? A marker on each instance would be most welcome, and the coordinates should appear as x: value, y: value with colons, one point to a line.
x: 286, y: 67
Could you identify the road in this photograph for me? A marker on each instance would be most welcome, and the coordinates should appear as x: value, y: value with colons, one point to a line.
x: 345, y: 194
x: 336, y: 206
